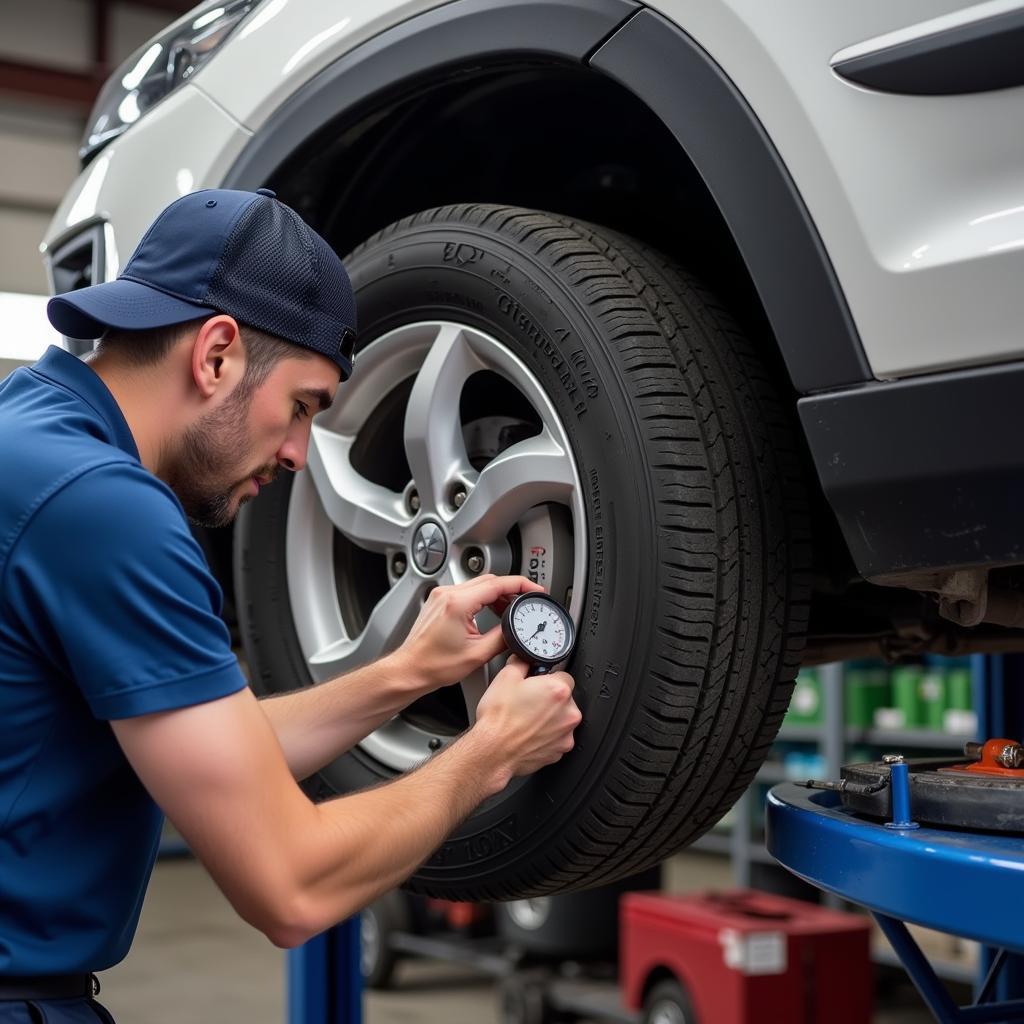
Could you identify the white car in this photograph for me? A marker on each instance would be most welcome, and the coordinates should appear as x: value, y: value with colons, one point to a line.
x: 705, y: 313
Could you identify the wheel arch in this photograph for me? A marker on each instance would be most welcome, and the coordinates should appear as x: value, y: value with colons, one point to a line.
x: 382, y: 95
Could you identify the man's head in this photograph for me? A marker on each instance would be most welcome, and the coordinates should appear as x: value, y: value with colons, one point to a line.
x: 248, y: 309
x: 241, y: 409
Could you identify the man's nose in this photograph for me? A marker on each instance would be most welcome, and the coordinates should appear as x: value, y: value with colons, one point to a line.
x: 292, y: 454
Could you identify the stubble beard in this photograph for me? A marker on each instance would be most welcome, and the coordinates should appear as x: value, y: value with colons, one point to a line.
x: 210, y: 462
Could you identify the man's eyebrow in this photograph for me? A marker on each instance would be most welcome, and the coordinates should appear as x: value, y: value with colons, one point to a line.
x: 321, y: 395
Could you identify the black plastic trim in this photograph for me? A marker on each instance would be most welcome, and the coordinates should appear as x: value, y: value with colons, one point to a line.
x: 979, y: 57
x: 925, y: 473
x: 67, y: 270
x: 448, y: 36
x: 723, y: 138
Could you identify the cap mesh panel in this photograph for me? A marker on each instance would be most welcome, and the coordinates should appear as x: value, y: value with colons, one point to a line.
x: 278, y: 275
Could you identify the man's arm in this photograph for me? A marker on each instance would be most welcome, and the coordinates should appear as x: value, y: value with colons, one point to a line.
x: 293, y: 868
x: 319, y: 723
x: 316, y: 724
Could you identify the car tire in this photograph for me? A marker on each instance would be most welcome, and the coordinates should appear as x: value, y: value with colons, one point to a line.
x: 684, y: 537
x: 582, y: 926
x: 379, y: 922
x: 668, y: 1003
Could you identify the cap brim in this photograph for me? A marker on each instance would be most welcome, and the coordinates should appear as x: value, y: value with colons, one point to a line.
x: 126, y: 305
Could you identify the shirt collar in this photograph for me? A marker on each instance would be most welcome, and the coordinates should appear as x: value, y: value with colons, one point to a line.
x: 76, y: 376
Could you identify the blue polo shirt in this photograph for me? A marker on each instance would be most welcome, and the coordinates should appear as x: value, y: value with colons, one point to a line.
x: 107, y: 611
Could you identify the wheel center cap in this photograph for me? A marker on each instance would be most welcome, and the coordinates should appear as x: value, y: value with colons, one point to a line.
x: 429, y: 548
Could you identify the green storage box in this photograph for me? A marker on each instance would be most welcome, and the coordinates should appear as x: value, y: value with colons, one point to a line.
x: 933, y: 697
x: 960, y: 717
x: 959, y: 691
x: 906, y: 694
x: 865, y: 689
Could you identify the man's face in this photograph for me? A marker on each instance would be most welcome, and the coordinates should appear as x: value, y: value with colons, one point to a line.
x: 230, y: 452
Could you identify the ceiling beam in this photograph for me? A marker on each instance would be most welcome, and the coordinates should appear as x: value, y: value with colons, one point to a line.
x: 101, y: 36
x: 71, y: 88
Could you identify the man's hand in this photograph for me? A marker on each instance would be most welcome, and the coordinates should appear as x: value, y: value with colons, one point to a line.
x: 529, y: 719
x: 444, y: 644
x: 316, y: 724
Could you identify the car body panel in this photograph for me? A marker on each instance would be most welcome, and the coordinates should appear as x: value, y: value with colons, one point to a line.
x: 188, y: 143
x: 957, y: 16
x: 919, y: 200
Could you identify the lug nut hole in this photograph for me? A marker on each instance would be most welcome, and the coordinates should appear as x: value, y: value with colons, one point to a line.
x: 473, y: 561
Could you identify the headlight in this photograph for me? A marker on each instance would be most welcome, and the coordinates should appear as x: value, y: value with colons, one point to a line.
x: 158, y: 68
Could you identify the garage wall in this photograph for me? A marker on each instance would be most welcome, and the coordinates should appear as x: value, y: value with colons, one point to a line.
x: 39, y: 137
x: 38, y: 161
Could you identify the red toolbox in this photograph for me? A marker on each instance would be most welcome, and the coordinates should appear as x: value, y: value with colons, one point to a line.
x: 746, y: 957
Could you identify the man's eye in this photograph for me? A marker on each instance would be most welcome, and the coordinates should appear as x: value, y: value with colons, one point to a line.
x: 301, y: 410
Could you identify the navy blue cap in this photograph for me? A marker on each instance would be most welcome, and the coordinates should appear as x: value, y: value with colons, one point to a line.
x: 224, y: 251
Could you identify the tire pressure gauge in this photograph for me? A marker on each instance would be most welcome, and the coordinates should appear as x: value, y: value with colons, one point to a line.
x: 539, y: 630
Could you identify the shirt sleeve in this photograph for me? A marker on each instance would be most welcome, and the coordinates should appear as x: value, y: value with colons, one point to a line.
x: 117, y: 595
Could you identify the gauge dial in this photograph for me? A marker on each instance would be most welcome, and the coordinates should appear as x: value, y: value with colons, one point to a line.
x: 538, y: 629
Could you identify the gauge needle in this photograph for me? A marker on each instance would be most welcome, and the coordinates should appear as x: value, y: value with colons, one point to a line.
x: 539, y: 629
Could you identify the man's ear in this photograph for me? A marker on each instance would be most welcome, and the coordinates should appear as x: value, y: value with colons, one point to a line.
x: 218, y: 356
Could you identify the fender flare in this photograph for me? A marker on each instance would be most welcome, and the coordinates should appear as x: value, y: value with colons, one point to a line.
x: 676, y: 79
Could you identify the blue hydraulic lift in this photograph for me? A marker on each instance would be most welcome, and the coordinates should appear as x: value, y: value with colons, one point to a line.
x: 965, y: 883
x: 325, y: 979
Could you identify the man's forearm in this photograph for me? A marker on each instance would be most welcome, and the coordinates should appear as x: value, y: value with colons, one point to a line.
x: 291, y: 867
x: 370, y: 842
x: 316, y: 724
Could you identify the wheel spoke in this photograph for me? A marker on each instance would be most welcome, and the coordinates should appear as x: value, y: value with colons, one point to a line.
x: 388, y: 625
x: 369, y: 515
x: 433, y: 432
x: 529, y: 473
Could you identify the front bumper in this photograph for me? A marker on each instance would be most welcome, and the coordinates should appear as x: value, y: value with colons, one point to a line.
x: 924, y: 473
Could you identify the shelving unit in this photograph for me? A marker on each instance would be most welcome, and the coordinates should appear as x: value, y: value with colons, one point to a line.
x: 922, y: 739
x: 740, y: 837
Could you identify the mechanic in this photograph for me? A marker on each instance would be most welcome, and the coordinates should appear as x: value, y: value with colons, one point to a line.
x: 119, y: 693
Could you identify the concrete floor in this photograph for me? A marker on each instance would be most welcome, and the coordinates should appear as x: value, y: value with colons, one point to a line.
x: 195, y: 960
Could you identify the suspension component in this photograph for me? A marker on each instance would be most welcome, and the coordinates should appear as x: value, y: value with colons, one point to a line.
x: 994, y: 757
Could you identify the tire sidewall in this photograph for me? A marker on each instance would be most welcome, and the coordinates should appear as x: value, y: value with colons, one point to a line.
x: 388, y: 915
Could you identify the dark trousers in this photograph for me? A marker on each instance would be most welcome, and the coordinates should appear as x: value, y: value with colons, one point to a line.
x: 54, y: 1011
